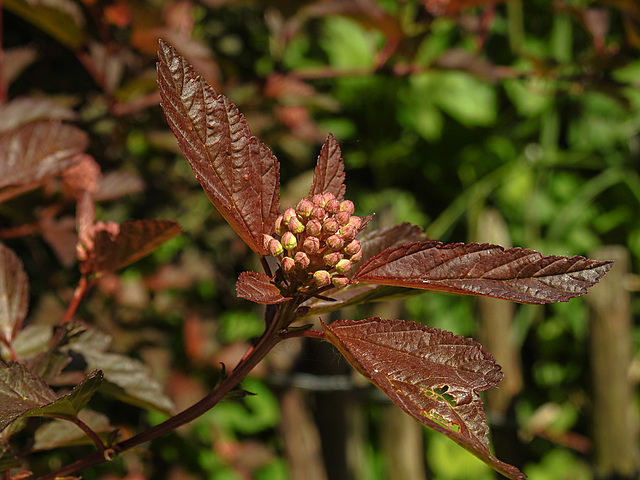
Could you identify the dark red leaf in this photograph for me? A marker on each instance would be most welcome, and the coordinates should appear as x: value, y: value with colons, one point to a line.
x: 329, y: 173
x: 433, y: 375
x: 117, y: 245
x: 14, y: 294
x: 375, y: 242
x: 38, y: 150
x: 239, y: 173
x: 257, y: 287
x: 514, y: 274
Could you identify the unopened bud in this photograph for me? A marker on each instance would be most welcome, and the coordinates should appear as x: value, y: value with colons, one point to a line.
x: 334, y: 242
x: 318, y: 200
x: 280, y: 227
x: 348, y: 232
x: 347, y: 206
x: 288, y: 264
x: 311, y: 245
x: 322, y: 278
x: 289, y: 241
x: 304, y: 207
x: 332, y: 258
x: 330, y: 226
x: 318, y: 213
x: 289, y: 213
x: 328, y: 196
x: 265, y: 241
x: 332, y: 206
x: 275, y: 248
x: 295, y: 225
x: 342, y: 217
x: 343, y: 266
x: 355, y: 221
x: 352, y: 247
x: 314, y: 227
x: 302, y: 260
x: 356, y: 257
x: 339, y: 281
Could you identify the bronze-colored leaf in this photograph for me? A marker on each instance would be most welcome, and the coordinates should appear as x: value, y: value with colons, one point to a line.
x: 237, y: 171
x: 14, y: 294
x: 516, y: 274
x: 38, y: 150
x: 257, y: 287
x: 329, y: 174
x: 433, y: 375
x: 117, y: 245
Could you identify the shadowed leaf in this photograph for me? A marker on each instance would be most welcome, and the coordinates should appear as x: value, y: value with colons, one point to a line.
x: 14, y: 294
x: 516, y: 274
x: 59, y: 433
x: 239, y: 173
x: 24, y: 394
x: 23, y: 110
x: 118, y: 245
x: 329, y: 174
x: 433, y: 375
x: 37, y: 150
x: 257, y: 287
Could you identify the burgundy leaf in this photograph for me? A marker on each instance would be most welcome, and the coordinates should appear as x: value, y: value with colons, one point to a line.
x: 118, y: 184
x: 514, y: 274
x: 14, y: 294
x: 375, y: 242
x: 238, y: 173
x: 117, y: 245
x: 433, y: 375
x: 23, y: 110
x: 37, y: 150
x: 257, y: 287
x: 329, y: 173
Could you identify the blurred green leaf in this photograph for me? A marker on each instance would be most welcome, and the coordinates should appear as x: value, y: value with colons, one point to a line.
x: 59, y: 433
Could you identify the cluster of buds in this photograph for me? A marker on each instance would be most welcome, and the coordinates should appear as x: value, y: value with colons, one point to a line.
x: 316, y: 242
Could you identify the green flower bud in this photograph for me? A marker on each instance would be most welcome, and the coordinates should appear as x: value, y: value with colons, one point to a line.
x: 330, y: 226
x: 347, y: 206
x: 332, y: 258
x: 343, y: 266
x: 295, y: 225
x: 334, y: 242
x: 275, y: 248
x: 280, y: 227
x: 332, y: 206
x: 313, y: 228
x: 311, y: 245
x: 322, y: 278
x: 304, y: 207
x: 289, y: 241
x: 302, y: 260
x: 288, y: 264
x: 339, y: 281
x: 352, y: 247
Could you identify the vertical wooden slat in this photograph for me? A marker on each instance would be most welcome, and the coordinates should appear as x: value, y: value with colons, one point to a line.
x: 615, y: 425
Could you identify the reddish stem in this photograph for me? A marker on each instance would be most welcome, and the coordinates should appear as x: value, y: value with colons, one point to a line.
x: 81, y: 289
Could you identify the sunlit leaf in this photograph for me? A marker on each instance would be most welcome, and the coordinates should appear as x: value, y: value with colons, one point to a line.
x: 516, y: 274
x: 14, y: 294
x: 329, y: 175
x: 239, y: 173
x: 257, y: 287
x: 433, y: 375
x: 37, y: 150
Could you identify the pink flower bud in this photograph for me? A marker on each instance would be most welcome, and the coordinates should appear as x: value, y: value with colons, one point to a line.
x: 339, y: 281
x: 322, y: 278
x: 318, y: 213
x: 342, y: 217
x: 275, y: 248
x: 289, y: 213
x: 295, y: 225
x: 332, y: 258
x: 348, y: 232
x: 343, y: 266
x: 330, y: 226
x: 304, y: 207
x: 311, y: 245
x: 352, y: 247
x: 318, y: 200
x: 356, y: 257
x: 347, y: 206
x: 355, y: 221
x: 302, y: 260
x: 314, y: 227
x: 288, y: 264
x: 289, y: 241
x: 265, y: 241
x: 328, y: 196
x: 280, y: 227
x: 332, y: 206
x: 334, y: 242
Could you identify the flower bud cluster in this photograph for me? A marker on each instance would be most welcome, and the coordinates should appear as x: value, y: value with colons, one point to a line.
x: 316, y: 241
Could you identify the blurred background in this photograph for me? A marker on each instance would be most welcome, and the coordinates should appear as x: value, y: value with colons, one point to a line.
x: 505, y: 122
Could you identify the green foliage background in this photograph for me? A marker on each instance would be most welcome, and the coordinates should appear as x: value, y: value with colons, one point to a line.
x: 538, y: 117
